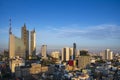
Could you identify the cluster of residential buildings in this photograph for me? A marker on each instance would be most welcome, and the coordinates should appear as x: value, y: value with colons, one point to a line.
x: 67, y: 64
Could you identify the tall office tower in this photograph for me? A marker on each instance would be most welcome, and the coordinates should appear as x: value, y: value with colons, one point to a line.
x: 16, y: 46
x: 25, y: 38
x: 108, y: 54
x: 111, y: 55
x: 44, y: 51
x: 71, y: 53
x: 33, y: 42
x: 74, y: 51
x: 65, y: 54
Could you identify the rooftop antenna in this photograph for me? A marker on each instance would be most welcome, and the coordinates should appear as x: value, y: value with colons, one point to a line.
x: 10, y: 32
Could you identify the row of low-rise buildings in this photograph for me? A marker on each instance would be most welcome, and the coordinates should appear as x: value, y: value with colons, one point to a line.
x: 28, y: 70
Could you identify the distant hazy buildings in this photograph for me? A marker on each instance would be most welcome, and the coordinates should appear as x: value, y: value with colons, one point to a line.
x: 83, y: 53
x: 25, y: 38
x: 44, y: 51
x: 33, y: 43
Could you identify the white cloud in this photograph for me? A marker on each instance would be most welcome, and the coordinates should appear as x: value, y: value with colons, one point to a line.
x: 92, y: 32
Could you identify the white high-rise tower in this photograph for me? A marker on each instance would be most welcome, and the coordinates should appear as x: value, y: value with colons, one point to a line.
x: 33, y: 43
x: 108, y: 54
x: 44, y: 51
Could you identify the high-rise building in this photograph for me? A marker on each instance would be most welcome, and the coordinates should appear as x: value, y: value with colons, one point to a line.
x: 83, y: 61
x: 65, y: 54
x: 111, y: 55
x: 16, y: 46
x: 44, y: 51
x: 108, y: 54
x: 71, y: 53
x: 25, y: 38
x: 33, y: 43
x: 74, y: 51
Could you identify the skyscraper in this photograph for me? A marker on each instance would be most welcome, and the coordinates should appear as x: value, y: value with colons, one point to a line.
x: 33, y: 42
x: 108, y: 54
x: 111, y: 55
x: 65, y: 54
x: 74, y: 51
x: 71, y: 53
x: 25, y: 38
x: 16, y: 46
x: 44, y: 51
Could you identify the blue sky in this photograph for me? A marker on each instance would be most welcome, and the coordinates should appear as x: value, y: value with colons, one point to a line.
x: 92, y: 24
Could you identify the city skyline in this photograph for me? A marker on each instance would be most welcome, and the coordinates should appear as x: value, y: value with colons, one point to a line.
x: 90, y: 24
